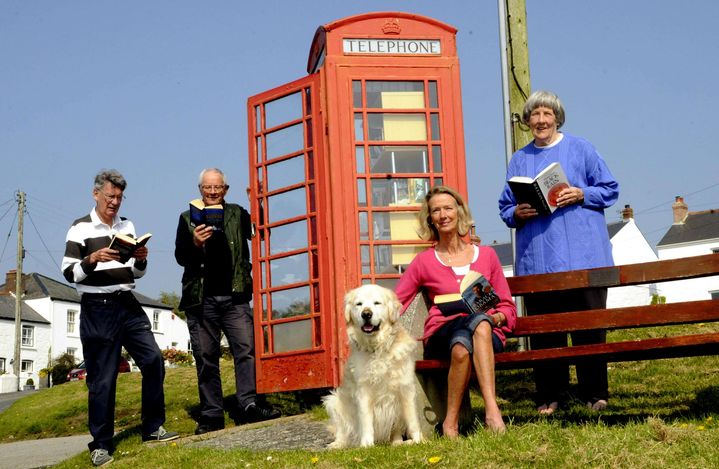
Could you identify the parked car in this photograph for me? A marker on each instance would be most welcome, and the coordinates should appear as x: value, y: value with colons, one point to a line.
x: 80, y: 372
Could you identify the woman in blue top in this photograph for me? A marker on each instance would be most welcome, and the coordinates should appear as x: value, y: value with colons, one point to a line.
x: 573, y: 237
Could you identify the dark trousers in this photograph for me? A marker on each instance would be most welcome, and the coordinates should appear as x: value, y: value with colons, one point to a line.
x: 109, y: 322
x: 194, y: 320
x: 552, y: 380
x: 221, y: 314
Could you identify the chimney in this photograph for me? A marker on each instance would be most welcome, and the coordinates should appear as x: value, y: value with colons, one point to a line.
x: 680, y: 210
x: 627, y: 213
x: 10, y: 279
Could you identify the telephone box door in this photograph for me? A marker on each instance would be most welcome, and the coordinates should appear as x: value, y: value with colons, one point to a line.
x: 292, y: 339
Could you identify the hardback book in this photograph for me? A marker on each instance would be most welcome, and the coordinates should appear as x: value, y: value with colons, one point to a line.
x: 540, y: 192
x: 210, y: 215
x: 476, y: 296
x: 126, y: 244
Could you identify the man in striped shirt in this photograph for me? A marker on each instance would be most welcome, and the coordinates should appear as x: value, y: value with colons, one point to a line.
x: 112, y: 318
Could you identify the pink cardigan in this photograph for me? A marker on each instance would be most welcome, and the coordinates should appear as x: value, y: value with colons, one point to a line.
x: 426, y: 272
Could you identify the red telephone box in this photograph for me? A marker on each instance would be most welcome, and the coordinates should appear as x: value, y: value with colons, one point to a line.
x: 339, y: 163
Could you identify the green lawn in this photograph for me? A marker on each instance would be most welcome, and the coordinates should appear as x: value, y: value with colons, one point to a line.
x: 661, y: 413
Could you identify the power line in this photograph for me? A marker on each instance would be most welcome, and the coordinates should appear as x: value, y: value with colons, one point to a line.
x: 32, y: 222
x: 8, y: 236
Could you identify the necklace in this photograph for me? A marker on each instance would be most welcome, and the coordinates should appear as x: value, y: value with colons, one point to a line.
x: 449, y: 258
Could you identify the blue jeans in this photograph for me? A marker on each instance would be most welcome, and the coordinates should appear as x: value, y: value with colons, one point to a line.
x: 221, y: 314
x: 458, y: 331
x: 109, y: 322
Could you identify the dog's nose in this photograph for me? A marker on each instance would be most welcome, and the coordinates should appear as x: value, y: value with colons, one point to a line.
x: 366, y: 314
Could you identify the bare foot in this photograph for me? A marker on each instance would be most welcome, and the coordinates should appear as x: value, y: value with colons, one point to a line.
x: 495, y: 425
x: 450, y: 432
x: 548, y: 409
x: 601, y: 404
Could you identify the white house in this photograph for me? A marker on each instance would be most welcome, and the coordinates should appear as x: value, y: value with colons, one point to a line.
x: 51, y: 323
x: 692, y: 234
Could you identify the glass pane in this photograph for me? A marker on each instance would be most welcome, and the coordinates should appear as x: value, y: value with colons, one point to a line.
x: 395, y: 226
x: 310, y: 165
x: 433, y: 101
x: 359, y: 127
x: 395, y: 94
x: 398, y: 191
x: 313, y: 230
x: 285, y: 173
x: 315, y: 268
x: 291, y: 269
x: 361, y: 193
x: 285, y: 141
x: 309, y: 133
x: 363, y: 225
x: 398, y: 159
x: 311, y: 188
x: 258, y: 119
x: 359, y: 156
x: 287, y: 205
x: 259, y: 149
x: 364, y: 258
x: 290, y: 303
x: 434, y: 122
x: 266, y: 339
x: 400, y: 127
x: 288, y: 237
x: 437, y: 158
x: 289, y: 336
x: 393, y: 259
x: 387, y: 282
x: 264, y: 275
x: 357, y: 93
x: 264, y: 307
x: 318, y: 332
x: 438, y: 182
x: 308, y: 101
x: 285, y: 109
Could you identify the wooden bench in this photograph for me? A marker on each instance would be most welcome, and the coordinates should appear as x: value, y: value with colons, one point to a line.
x: 431, y: 374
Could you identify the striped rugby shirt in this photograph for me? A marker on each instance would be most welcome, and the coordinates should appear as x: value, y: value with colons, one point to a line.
x: 87, y: 235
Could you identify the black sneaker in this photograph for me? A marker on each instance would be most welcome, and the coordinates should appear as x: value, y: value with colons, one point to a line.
x: 255, y: 413
x: 161, y: 435
x: 100, y: 457
x: 209, y: 425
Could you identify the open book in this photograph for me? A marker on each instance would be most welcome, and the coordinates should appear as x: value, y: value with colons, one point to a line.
x: 477, y: 296
x: 542, y: 191
x: 210, y: 215
x: 126, y: 244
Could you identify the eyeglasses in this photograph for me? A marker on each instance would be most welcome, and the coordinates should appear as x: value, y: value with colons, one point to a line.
x: 208, y: 188
x: 110, y: 198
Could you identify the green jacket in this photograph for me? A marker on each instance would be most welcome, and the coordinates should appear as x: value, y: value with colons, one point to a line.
x: 238, y: 229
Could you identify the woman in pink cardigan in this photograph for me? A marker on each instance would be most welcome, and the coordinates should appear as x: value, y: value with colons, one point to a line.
x: 466, y: 340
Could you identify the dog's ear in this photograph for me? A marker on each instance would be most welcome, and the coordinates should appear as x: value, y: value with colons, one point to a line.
x: 393, y: 305
x: 349, y: 302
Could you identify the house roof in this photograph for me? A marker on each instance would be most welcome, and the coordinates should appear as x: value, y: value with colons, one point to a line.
x: 504, y: 252
x: 27, y: 314
x: 697, y: 226
x: 41, y: 286
x: 615, y: 227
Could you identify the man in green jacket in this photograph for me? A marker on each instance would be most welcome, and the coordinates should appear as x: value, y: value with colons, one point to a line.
x: 216, y: 291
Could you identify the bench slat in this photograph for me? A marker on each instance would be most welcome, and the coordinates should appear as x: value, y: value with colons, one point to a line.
x: 616, y: 318
x: 665, y: 347
x: 623, y: 275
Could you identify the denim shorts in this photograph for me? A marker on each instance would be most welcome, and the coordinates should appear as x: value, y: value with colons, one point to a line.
x: 458, y: 331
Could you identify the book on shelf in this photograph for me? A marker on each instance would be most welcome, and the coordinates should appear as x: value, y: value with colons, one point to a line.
x: 476, y: 296
x: 210, y: 215
x: 126, y: 245
x: 540, y: 192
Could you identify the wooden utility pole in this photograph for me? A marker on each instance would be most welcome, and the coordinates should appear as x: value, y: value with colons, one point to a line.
x: 517, y: 69
x: 18, y: 287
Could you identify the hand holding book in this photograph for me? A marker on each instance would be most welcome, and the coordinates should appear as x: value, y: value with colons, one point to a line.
x: 127, y: 246
x: 476, y: 296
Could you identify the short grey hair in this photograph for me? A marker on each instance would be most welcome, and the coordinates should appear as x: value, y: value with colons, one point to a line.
x: 112, y: 176
x: 546, y: 99
x: 211, y: 170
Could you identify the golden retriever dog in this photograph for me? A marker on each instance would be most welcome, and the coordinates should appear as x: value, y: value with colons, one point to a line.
x: 376, y: 402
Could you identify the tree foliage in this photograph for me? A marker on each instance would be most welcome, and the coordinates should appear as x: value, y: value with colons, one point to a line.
x: 172, y: 300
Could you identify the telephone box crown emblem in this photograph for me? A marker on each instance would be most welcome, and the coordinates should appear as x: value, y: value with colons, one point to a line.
x: 392, y: 27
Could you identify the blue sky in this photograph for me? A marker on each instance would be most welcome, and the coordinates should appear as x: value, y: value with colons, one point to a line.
x: 158, y: 90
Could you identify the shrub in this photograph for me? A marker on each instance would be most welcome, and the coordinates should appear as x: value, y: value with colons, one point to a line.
x: 60, y: 367
x: 177, y: 357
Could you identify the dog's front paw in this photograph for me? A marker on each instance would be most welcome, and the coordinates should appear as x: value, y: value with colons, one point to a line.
x: 366, y: 442
x: 337, y: 444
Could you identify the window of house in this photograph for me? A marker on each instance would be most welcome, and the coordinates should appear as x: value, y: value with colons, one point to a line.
x: 156, y: 320
x: 26, y: 366
x: 71, y: 321
x: 714, y: 294
x: 28, y: 336
x: 2, y: 366
x: 71, y: 351
x: 715, y: 250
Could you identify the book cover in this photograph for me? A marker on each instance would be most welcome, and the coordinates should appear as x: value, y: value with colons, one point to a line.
x: 476, y: 296
x: 126, y: 244
x: 542, y: 191
x: 211, y: 215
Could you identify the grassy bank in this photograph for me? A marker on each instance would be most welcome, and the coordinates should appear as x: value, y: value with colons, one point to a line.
x: 662, y: 413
